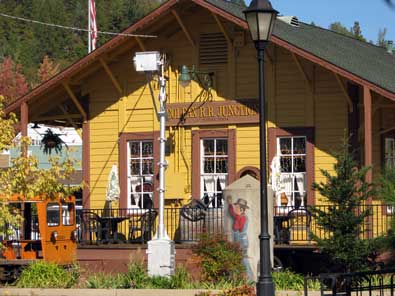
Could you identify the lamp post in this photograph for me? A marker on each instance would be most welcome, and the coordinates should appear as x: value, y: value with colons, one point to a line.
x: 260, y: 17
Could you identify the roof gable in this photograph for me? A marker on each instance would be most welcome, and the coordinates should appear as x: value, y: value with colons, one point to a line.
x: 358, y: 61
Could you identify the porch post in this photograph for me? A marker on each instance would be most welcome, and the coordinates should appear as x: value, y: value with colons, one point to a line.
x: 353, y: 122
x: 24, y: 118
x: 367, y: 102
x: 24, y: 123
x: 86, y: 164
x: 25, y: 207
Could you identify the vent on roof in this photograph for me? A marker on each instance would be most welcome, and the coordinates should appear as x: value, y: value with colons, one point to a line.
x: 290, y: 20
x: 213, y: 49
x: 390, y: 46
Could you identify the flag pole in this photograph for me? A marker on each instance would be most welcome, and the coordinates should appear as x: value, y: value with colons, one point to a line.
x: 89, y: 28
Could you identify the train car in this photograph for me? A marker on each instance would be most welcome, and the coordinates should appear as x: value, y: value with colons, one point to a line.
x: 47, y: 232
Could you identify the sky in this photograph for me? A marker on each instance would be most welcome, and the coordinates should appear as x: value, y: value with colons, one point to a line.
x: 372, y: 15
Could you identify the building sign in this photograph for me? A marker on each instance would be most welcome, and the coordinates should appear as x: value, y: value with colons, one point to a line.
x: 209, y: 113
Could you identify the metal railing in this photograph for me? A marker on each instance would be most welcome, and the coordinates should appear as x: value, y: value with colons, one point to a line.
x: 299, y: 225
x: 102, y: 226
x: 379, y: 282
x: 291, y: 225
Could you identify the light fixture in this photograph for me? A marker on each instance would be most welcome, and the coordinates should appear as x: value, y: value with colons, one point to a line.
x: 260, y: 17
x: 185, y: 76
x: 204, y: 78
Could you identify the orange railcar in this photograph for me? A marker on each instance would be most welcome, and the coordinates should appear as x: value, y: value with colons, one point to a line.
x: 48, y: 232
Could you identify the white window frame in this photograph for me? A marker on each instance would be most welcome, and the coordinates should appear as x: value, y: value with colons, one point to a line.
x: 144, y: 177
x: 293, y: 191
x: 215, y: 175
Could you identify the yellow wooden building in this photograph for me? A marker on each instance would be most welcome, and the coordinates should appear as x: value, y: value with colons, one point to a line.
x: 319, y: 86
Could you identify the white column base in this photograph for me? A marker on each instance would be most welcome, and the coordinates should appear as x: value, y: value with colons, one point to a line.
x: 161, y: 257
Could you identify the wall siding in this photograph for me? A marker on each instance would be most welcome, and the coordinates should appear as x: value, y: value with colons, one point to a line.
x: 291, y: 103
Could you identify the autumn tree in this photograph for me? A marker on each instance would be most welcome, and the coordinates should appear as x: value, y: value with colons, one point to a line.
x: 24, y: 177
x: 47, y: 69
x: 12, y: 82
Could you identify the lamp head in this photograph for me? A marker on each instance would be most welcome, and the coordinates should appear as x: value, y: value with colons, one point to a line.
x: 185, y: 76
x: 260, y: 17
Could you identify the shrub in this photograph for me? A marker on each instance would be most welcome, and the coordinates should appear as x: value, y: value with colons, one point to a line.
x: 220, y: 259
x: 288, y: 280
x: 47, y: 275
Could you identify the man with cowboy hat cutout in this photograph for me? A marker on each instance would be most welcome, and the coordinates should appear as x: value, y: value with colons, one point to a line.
x: 237, y: 211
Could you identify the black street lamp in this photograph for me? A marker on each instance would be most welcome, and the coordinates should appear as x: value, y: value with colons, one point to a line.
x: 260, y: 17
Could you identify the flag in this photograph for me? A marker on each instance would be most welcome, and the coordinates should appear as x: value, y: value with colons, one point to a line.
x: 92, y: 26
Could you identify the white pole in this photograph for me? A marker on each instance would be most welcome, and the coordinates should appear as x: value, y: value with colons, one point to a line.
x: 162, y: 161
x: 89, y: 28
x: 161, y: 249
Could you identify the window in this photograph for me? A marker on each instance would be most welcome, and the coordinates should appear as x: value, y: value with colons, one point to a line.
x: 214, y: 170
x: 141, y: 174
x: 291, y: 160
x: 53, y: 214
x: 291, y: 155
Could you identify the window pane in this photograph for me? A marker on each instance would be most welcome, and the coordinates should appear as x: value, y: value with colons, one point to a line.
x: 299, y: 146
x: 53, y: 215
x: 135, y: 166
x: 68, y: 214
x: 299, y: 164
x: 222, y: 165
x: 147, y: 149
x: 134, y: 149
x: 285, y: 145
x: 209, y: 165
x: 148, y: 167
x: 208, y: 147
x: 286, y: 164
x: 222, y: 147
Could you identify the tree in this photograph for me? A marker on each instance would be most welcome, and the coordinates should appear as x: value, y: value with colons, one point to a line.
x: 346, y: 191
x: 47, y: 69
x: 357, y: 32
x: 24, y: 178
x: 12, y: 82
x: 354, y: 32
x: 381, y: 41
x: 339, y: 28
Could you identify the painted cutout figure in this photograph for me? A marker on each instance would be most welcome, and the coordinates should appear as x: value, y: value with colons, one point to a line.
x: 237, y: 211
